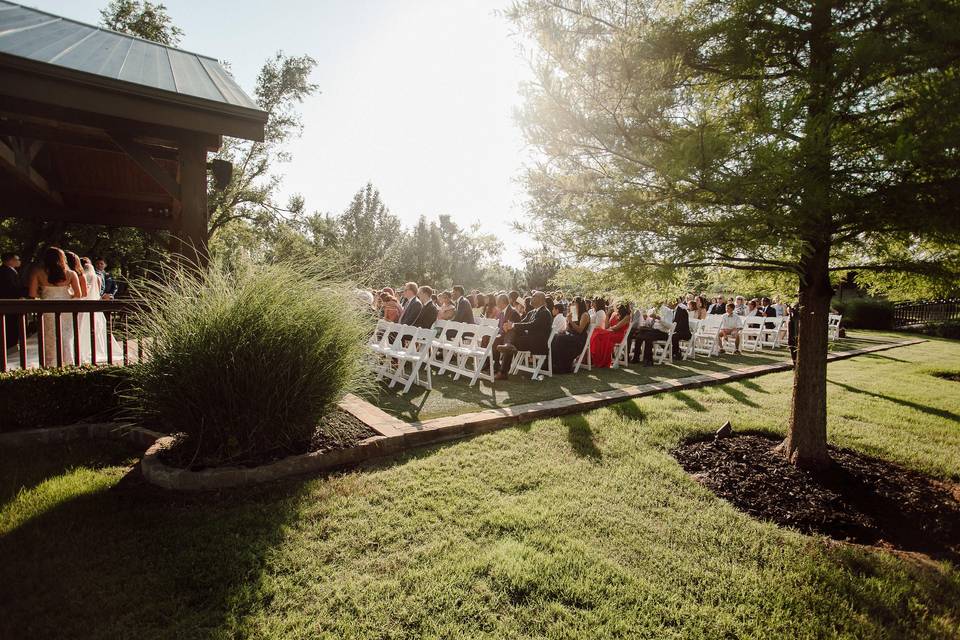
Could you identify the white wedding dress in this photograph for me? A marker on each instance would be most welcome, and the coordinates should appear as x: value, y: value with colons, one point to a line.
x: 57, y: 292
x: 99, y: 323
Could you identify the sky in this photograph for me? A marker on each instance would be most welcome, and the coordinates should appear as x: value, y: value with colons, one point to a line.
x: 417, y: 96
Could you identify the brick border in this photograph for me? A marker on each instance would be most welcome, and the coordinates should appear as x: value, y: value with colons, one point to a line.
x: 394, y: 434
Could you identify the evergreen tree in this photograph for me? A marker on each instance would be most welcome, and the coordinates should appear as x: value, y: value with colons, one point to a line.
x: 810, y: 137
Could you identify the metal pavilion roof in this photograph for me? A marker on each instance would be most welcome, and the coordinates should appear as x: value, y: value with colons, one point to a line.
x: 48, y: 38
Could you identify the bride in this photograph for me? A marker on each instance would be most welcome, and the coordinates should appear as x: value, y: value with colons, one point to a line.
x: 55, y: 281
x: 94, y: 287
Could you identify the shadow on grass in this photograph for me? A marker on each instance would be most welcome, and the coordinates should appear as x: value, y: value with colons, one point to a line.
x: 738, y: 395
x: 581, y: 437
x: 629, y: 410
x: 880, y: 356
x: 933, y: 411
x: 688, y: 400
x: 104, y: 563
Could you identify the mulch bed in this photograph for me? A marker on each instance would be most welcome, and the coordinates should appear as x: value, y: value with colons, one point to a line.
x: 859, y: 499
x: 339, y: 429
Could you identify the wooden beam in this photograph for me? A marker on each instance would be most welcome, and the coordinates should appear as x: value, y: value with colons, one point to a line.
x: 75, y: 137
x: 190, y: 228
x: 17, y: 162
x: 142, y: 157
x: 83, y: 216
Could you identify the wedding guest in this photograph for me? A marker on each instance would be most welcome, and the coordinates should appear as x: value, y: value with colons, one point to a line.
x: 667, y: 315
x: 719, y: 306
x: 739, y: 307
x: 10, y: 287
x: 110, y: 287
x: 389, y: 307
x: 568, y: 345
x: 730, y: 326
x: 447, y: 310
x: 464, y: 312
x: 491, y: 310
x: 559, y: 319
x: 428, y: 309
x: 603, y: 341
x: 751, y: 309
x: 506, y: 312
x: 599, y: 317
x: 412, y: 306
x: 529, y: 335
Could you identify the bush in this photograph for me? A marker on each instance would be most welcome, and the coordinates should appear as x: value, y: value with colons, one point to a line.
x: 247, y: 362
x: 33, y: 398
x: 866, y: 313
x: 949, y: 329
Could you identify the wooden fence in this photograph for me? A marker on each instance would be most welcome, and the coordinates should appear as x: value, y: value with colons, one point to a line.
x: 926, y: 312
x: 56, y: 333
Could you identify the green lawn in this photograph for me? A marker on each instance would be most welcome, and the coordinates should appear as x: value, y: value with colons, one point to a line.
x: 580, y: 527
x: 450, y: 397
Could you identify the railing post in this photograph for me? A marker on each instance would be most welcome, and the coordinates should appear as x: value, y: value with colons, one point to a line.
x: 41, y: 342
x: 58, y: 330
x: 22, y: 325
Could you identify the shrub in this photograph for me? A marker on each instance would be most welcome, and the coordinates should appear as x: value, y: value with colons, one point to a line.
x: 247, y: 362
x: 949, y: 329
x: 866, y: 313
x: 33, y: 398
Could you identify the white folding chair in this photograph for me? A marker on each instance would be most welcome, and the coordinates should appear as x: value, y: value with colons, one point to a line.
x: 663, y: 349
x: 488, y: 322
x: 478, y: 352
x: 750, y: 334
x: 707, y: 340
x: 534, y: 364
x: 417, y: 354
x: 621, y: 352
x: 389, y: 347
x: 585, y: 354
x: 770, y: 334
x: 442, y: 347
x: 687, y: 346
x: 833, y: 326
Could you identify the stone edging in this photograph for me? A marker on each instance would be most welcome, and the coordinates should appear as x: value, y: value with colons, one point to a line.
x: 394, y: 434
x: 138, y: 435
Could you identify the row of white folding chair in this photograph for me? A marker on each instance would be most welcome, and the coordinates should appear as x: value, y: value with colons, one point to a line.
x: 770, y: 336
x: 621, y: 352
x: 584, y: 359
x: 750, y: 334
x: 448, y: 335
x: 398, y: 345
x: 472, y: 354
x: 706, y: 340
x: 537, y: 365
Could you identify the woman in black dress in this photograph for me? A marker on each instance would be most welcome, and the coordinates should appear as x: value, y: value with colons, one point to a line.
x: 568, y: 346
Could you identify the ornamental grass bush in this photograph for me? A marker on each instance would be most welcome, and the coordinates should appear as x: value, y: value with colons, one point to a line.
x: 247, y: 362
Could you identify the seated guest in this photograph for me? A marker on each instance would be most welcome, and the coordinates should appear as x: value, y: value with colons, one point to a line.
x: 604, y: 340
x: 506, y: 312
x: 599, y: 316
x: 740, y: 307
x: 779, y: 307
x: 766, y: 309
x: 491, y: 310
x: 464, y: 311
x: 751, y: 309
x: 412, y: 304
x: 515, y: 302
x: 641, y: 321
x: 559, y: 319
x: 428, y: 310
x: 719, y: 307
x: 389, y: 307
x: 667, y: 315
x: 730, y: 325
x: 528, y: 304
x: 529, y: 335
x: 568, y: 345
x: 447, y: 310
x: 479, y: 304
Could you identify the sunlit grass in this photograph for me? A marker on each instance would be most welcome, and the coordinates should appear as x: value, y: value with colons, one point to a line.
x: 577, y: 527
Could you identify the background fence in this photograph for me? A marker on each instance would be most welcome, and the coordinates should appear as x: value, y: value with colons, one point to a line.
x: 926, y: 312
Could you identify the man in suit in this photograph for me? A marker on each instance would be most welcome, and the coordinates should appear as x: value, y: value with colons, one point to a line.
x: 719, y: 306
x: 668, y: 314
x: 428, y: 310
x: 464, y: 312
x: 411, y: 304
x: 10, y: 287
x: 110, y: 287
x: 767, y: 310
x: 531, y: 334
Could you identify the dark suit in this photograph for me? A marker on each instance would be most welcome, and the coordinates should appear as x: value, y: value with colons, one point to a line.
x: 648, y: 335
x: 411, y: 311
x: 529, y: 335
x: 717, y: 309
x: 508, y: 315
x: 10, y: 288
x: 464, y: 312
x: 767, y: 312
x: 428, y: 315
x: 109, y: 284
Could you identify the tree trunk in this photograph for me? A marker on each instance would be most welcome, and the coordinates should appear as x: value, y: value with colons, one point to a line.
x: 806, y: 442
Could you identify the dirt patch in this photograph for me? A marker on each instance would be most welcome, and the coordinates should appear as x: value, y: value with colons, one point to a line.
x: 859, y: 499
x: 947, y: 375
x: 339, y: 429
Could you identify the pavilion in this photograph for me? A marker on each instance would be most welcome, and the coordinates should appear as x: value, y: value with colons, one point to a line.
x: 99, y: 127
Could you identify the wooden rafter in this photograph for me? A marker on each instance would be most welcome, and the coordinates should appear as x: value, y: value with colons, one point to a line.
x: 17, y: 160
x: 142, y: 158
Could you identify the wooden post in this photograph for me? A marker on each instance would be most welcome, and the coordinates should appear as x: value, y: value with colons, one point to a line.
x: 191, y: 226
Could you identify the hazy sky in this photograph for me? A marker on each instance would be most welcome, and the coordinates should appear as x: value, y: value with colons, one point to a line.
x: 415, y: 95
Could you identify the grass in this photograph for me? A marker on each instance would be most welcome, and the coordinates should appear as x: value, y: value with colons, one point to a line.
x: 450, y: 397
x: 580, y: 527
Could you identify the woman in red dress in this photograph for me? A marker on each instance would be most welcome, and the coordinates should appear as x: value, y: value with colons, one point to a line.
x: 604, y: 340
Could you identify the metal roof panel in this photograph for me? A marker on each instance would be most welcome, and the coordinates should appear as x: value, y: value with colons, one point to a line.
x: 43, y: 37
